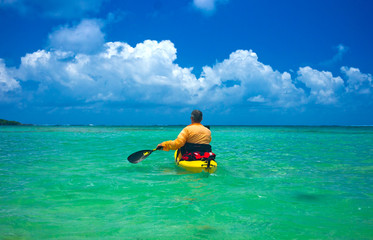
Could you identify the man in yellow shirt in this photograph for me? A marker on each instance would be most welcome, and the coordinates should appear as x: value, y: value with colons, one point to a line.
x: 196, y: 136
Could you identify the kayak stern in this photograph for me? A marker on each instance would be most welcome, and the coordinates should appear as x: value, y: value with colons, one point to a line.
x: 196, y: 166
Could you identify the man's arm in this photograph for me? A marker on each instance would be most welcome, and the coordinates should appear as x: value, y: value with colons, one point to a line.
x: 177, y: 143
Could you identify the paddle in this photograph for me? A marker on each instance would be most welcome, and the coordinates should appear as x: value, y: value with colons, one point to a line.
x: 141, y: 155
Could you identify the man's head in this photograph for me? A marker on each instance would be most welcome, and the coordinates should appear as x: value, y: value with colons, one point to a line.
x: 196, y: 116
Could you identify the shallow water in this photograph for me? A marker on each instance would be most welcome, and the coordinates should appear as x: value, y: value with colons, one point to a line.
x: 271, y: 183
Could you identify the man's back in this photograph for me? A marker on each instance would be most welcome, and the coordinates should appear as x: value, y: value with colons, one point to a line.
x: 197, y: 133
x: 193, y: 133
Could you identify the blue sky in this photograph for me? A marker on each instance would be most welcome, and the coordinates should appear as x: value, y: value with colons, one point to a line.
x: 245, y: 62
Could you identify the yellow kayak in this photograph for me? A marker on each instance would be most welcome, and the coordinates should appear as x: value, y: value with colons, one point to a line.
x: 195, y: 166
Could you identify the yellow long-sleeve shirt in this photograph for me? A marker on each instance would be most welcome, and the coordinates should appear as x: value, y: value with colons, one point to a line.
x: 193, y: 133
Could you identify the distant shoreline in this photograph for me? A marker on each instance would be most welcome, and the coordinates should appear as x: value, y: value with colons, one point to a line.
x: 4, y: 122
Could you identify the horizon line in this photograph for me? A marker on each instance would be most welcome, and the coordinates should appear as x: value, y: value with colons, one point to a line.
x: 177, y: 125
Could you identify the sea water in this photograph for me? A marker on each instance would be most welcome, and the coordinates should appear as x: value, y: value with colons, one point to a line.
x: 75, y: 182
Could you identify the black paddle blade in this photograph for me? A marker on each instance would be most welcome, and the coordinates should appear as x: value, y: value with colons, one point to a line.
x: 139, y: 156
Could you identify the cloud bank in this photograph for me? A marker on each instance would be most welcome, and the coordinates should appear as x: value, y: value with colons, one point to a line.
x: 80, y: 69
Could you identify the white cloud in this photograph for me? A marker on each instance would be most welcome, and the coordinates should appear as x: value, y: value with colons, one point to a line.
x: 207, y: 6
x: 341, y: 51
x: 7, y: 82
x: 86, y: 37
x: 45, y: 67
x: 323, y: 85
x: 147, y: 74
x: 144, y: 73
x: 36, y: 59
x: 242, y: 76
x: 357, y: 81
x: 257, y: 99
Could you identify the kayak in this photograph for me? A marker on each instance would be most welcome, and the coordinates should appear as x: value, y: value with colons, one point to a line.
x: 195, y: 166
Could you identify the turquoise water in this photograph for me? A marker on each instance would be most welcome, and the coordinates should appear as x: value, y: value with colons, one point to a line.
x: 271, y: 183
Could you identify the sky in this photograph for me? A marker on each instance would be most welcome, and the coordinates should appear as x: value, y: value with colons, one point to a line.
x: 151, y: 62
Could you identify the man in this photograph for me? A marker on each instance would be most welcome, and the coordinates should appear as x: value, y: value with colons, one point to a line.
x: 195, y: 136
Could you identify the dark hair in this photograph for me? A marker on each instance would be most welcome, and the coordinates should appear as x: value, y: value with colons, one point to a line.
x: 197, y: 116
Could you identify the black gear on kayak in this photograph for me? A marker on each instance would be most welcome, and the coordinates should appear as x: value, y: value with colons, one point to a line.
x: 197, y: 152
x: 195, y: 147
